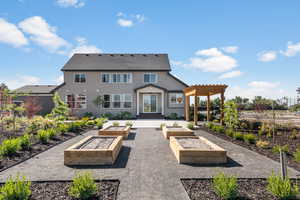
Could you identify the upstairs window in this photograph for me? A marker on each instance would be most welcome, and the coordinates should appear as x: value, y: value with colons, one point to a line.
x: 80, y: 78
x: 105, y: 78
x: 150, y: 78
x: 116, y: 78
x: 176, y: 98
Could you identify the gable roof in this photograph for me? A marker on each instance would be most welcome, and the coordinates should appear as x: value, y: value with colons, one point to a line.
x: 36, y: 89
x: 150, y: 85
x: 119, y: 62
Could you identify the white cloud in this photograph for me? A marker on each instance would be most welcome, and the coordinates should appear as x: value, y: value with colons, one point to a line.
x: 230, y: 49
x: 84, y: 47
x: 176, y: 63
x: 10, y: 34
x: 212, y: 60
x: 292, y: 49
x: 60, y: 79
x: 263, y: 84
x: 125, y: 22
x: 21, y: 80
x: 43, y: 34
x: 231, y: 74
x: 267, y: 56
x: 70, y: 3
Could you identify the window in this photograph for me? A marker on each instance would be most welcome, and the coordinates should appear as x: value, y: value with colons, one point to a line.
x: 176, y: 98
x: 117, y: 101
x: 105, y: 78
x: 80, y: 78
x: 116, y: 78
x: 150, y: 78
x: 76, y: 101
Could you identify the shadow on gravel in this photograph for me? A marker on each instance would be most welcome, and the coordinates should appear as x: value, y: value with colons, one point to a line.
x: 230, y: 163
x: 121, y: 161
x: 131, y: 136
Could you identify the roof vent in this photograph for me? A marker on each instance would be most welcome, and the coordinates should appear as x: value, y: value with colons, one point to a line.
x: 87, y: 54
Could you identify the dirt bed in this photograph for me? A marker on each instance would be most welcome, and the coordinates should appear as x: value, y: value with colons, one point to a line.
x: 248, y: 189
x: 193, y: 143
x: 98, y: 143
x: 116, y: 128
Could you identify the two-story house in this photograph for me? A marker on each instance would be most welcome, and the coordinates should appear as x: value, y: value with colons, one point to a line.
x: 136, y: 83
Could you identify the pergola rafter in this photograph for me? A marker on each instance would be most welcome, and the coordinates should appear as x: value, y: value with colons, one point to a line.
x: 203, y: 90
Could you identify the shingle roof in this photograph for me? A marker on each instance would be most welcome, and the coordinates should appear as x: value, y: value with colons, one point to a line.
x: 120, y: 62
x: 36, y: 89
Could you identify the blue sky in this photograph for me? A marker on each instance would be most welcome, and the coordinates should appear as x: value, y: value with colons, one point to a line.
x: 253, y: 46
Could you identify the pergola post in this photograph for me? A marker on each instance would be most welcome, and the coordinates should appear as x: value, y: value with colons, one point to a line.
x: 208, y: 108
x: 195, y: 109
x: 187, y: 108
x: 222, y: 108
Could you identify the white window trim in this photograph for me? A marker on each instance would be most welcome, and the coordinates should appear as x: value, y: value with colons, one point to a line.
x: 175, y: 93
x: 76, y: 96
x: 111, y: 78
x: 151, y: 73
x: 122, y: 101
x: 74, y: 76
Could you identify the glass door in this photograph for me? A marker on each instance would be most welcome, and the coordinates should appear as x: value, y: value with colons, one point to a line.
x: 150, y: 103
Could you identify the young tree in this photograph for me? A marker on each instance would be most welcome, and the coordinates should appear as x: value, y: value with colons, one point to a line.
x: 231, y: 117
x: 61, y: 110
x: 32, y: 106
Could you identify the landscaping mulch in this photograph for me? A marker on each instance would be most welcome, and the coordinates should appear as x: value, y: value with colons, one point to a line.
x: 36, y: 148
x: 248, y: 189
x: 281, y: 139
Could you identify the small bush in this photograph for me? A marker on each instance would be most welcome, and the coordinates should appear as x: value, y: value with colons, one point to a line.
x: 262, y: 144
x: 107, y: 115
x: 43, y: 136
x: 9, y: 147
x: 63, y: 128
x: 130, y: 124
x: 175, y: 124
x: 297, y: 155
x: 277, y: 148
x: 75, y: 127
x: 162, y: 125
x: 250, y: 138
x: 238, y: 136
x: 281, y: 188
x: 15, y: 189
x: 83, y: 186
x: 116, y: 123
x: 209, y: 125
x: 229, y: 132
x: 173, y: 116
x: 293, y: 135
x: 90, y: 123
x: 88, y: 115
x: 25, y: 141
x: 225, y: 187
x: 100, y: 122
x: 219, y: 129
x: 52, y: 132
x: 190, y: 125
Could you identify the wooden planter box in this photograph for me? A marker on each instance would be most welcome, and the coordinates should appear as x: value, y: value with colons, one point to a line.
x: 197, y: 150
x: 88, y: 151
x: 115, y: 131
x: 176, y: 131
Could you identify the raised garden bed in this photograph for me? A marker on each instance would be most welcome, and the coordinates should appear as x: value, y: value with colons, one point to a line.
x: 58, y: 190
x: 281, y: 139
x: 115, y: 131
x: 197, y: 150
x: 176, y: 131
x: 249, y: 189
x: 94, y: 150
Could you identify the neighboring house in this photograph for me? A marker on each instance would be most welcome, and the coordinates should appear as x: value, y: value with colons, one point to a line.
x: 43, y: 94
x: 137, y: 83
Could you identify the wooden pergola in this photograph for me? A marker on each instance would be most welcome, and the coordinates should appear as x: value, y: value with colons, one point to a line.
x: 203, y: 90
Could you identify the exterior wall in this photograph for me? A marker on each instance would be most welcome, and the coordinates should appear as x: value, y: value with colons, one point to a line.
x: 93, y: 87
x: 46, y: 103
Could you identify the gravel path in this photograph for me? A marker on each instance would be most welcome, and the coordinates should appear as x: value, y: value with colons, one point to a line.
x: 146, y: 167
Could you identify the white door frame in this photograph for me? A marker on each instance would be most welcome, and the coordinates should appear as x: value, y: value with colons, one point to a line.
x: 156, y: 106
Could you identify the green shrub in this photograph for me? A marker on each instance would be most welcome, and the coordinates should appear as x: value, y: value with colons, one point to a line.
x: 25, y: 141
x: 175, y: 124
x: 99, y: 124
x: 219, y: 129
x: 52, y: 132
x: 130, y: 124
x: 88, y: 115
x: 229, y: 132
x: 43, y: 136
x: 83, y: 186
x: 116, y: 123
x: 250, y: 138
x: 297, y: 155
x: 75, y: 127
x: 90, y: 123
x: 225, y: 187
x: 277, y: 148
x: 9, y: 147
x: 63, y: 128
x: 281, y: 188
x: 162, y: 125
x: 238, y: 136
x: 293, y: 135
x: 15, y: 189
x: 190, y: 125
x: 262, y: 144
x: 107, y: 115
x: 173, y: 116
x: 209, y: 125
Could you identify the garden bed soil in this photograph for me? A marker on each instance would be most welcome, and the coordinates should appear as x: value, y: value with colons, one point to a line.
x: 36, y: 148
x: 248, y: 189
x: 280, y: 139
x: 58, y: 190
x: 193, y: 143
x: 98, y: 143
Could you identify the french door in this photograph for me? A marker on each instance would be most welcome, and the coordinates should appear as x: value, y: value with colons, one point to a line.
x: 150, y: 103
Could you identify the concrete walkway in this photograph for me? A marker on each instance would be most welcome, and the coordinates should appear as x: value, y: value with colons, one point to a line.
x: 146, y: 167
